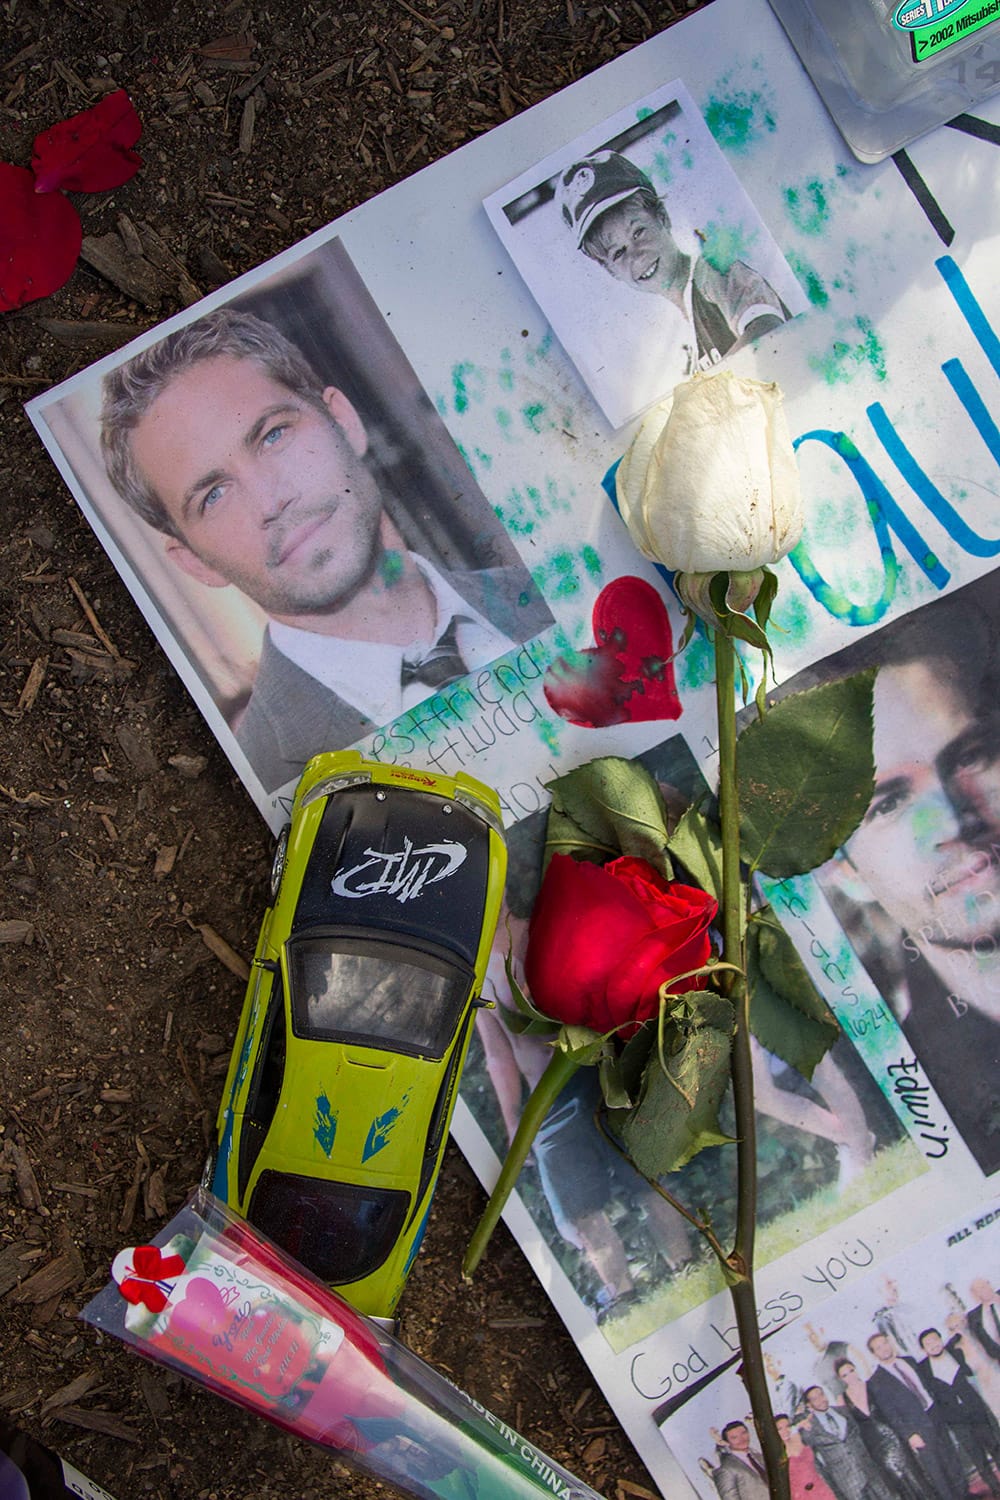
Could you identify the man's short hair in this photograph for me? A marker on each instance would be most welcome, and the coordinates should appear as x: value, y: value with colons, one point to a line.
x: 729, y: 1427
x: 809, y: 1390
x: 936, y: 1332
x: 872, y: 1338
x: 131, y: 389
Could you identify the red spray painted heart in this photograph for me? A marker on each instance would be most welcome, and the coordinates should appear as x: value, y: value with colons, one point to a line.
x: 628, y: 676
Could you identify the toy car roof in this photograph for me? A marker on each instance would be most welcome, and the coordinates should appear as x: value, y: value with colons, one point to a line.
x: 407, y: 862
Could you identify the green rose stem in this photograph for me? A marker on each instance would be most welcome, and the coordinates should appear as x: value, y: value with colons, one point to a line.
x: 561, y: 1067
x: 739, y: 1262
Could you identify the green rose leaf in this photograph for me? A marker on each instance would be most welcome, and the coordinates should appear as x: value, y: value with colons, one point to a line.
x: 616, y: 1095
x: 525, y: 1020
x: 805, y: 775
x: 677, y: 1113
x: 563, y: 835
x: 621, y: 1072
x: 697, y: 844
x: 765, y: 598
x: 618, y: 806
x: 788, y: 1015
x: 582, y: 1045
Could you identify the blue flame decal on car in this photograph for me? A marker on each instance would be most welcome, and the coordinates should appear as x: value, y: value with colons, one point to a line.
x: 326, y: 1124
x: 381, y: 1128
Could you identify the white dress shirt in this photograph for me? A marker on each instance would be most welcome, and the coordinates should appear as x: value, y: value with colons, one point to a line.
x: 367, y: 674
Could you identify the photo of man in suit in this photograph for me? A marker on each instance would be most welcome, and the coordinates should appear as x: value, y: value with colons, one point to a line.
x: 903, y: 1401
x: 224, y: 439
x: 741, y: 1474
x: 833, y: 1435
x: 946, y: 1375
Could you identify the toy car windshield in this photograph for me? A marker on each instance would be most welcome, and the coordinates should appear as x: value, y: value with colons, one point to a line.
x: 376, y: 994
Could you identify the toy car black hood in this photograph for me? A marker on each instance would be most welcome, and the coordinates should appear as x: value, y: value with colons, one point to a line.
x: 400, y: 861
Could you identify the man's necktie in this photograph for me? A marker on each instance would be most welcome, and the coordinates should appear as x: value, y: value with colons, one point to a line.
x: 908, y: 1378
x: 758, y: 1468
x: 441, y: 663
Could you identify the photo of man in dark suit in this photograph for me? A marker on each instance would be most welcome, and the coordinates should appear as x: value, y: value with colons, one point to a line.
x: 224, y: 438
x: 946, y: 1376
x: 903, y: 1401
x: 833, y: 1435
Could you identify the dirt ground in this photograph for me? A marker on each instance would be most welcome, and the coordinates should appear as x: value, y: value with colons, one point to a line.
x: 129, y: 849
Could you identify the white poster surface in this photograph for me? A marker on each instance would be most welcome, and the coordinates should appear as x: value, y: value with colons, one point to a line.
x: 437, y: 406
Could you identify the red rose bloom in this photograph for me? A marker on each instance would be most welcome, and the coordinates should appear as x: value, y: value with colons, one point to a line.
x: 604, y: 939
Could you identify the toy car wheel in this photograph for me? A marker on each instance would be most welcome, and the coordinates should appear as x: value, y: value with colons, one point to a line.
x: 278, y: 864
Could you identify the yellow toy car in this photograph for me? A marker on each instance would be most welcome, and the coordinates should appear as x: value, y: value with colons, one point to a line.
x: 386, y: 891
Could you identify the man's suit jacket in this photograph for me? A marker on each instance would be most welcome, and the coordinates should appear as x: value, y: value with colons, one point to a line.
x: 844, y: 1460
x: 958, y: 1401
x: 291, y: 716
x: 899, y: 1406
x: 735, y: 1480
x: 983, y: 1325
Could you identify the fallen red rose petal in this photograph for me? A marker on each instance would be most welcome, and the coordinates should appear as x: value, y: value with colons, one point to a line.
x: 89, y: 153
x: 40, y: 239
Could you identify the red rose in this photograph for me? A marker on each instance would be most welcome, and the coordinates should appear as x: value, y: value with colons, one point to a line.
x: 604, y: 939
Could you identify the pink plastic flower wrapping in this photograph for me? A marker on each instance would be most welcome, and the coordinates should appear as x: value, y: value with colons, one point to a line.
x: 218, y: 1302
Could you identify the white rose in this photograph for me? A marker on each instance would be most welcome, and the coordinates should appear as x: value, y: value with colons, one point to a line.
x: 710, y: 483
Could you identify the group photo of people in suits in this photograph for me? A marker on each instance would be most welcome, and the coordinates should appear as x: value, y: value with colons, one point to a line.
x: 913, y: 1415
x: 887, y: 1391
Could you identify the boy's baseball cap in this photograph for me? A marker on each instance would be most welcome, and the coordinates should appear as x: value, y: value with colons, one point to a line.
x: 590, y: 187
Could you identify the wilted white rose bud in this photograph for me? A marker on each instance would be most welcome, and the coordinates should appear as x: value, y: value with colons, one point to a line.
x: 710, y: 483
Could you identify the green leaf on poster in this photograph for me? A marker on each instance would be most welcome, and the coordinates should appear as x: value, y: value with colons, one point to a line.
x: 805, y: 775
x: 788, y: 1015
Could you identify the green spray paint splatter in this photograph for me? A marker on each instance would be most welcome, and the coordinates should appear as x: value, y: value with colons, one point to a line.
x: 391, y: 568
x: 738, y: 118
x: 477, y: 460
x: 536, y: 417
x: 791, y: 618
x: 541, y: 350
x: 697, y: 664
x: 808, y: 206
x: 559, y: 577
x: 662, y: 171
x: 809, y: 279
x: 724, y: 243
x: 861, y: 350
x: 467, y: 386
x: 522, y: 509
x: 550, y: 733
x: 830, y: 523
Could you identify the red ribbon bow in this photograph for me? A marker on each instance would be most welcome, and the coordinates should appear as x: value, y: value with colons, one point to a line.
x: 150, y: 1268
